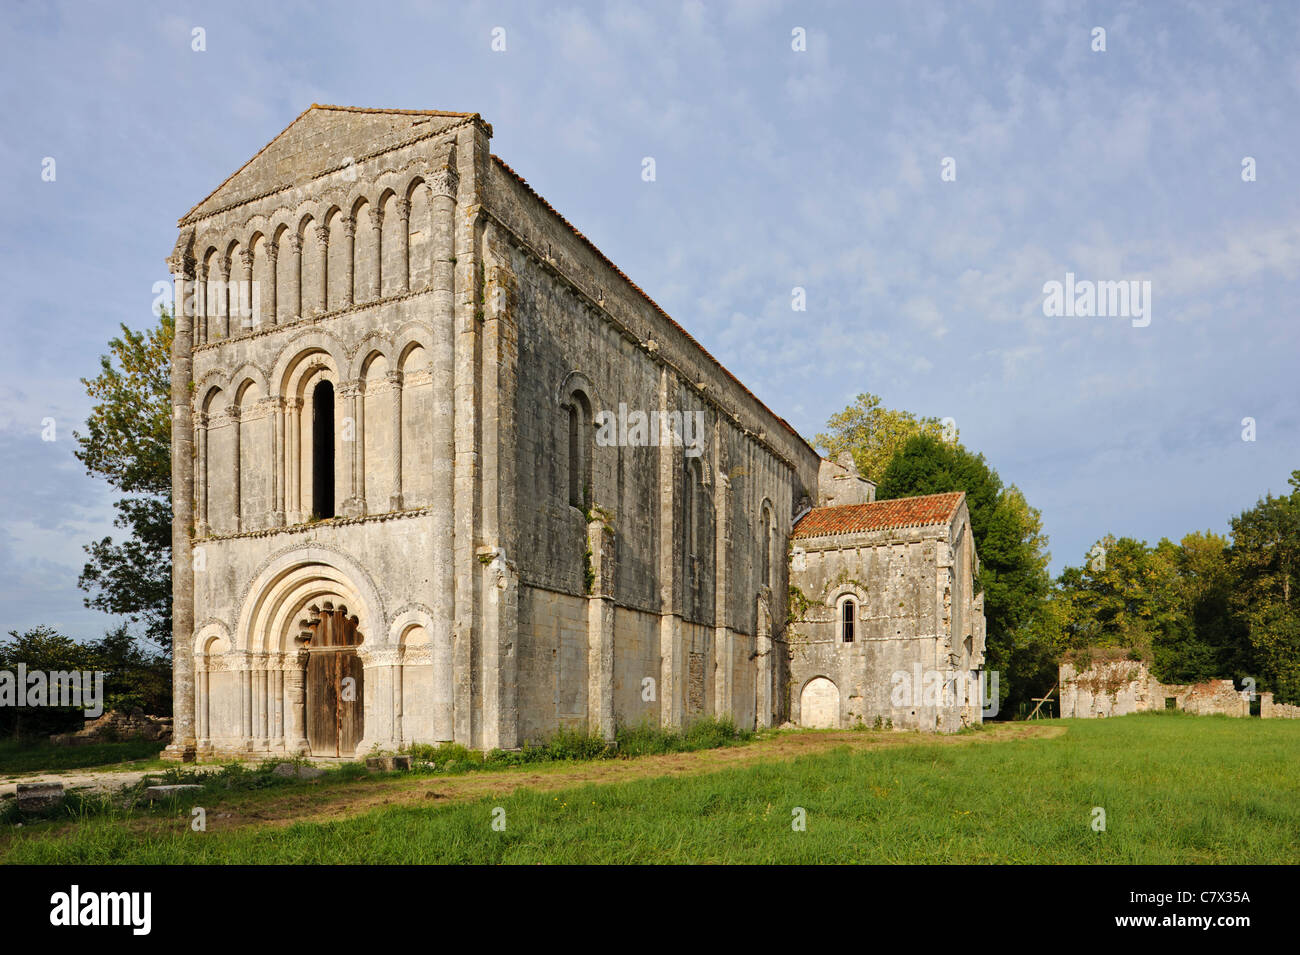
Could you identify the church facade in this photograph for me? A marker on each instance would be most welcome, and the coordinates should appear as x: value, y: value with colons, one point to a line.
x: 441, y: 472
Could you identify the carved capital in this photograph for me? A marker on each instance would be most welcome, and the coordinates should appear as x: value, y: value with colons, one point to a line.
x: 272, y: 252
x: 295, y: 244
x: 394, y: 378
x: 246, y: 256
x: 403, y: 207
x: 181, y: 264
x: 377, y: 219
x: 443, y: 182
x: 224, y: 265
x: 349, y: 226
x: 323, y: 234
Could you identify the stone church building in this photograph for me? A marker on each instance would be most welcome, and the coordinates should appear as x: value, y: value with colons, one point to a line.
x: 399, y: 515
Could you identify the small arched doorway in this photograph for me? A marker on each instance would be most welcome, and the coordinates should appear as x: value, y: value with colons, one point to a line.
x: 335, y: 681
x: 819, y: 704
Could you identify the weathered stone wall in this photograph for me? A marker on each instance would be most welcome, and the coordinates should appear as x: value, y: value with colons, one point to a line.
x: 456, y: 319
x: 1119, y: 687
x: 908, y: 586
x: 687, y: 532
x: 1282, y: 711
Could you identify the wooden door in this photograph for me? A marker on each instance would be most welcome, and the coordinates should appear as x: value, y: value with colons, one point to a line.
x: 335, y: 683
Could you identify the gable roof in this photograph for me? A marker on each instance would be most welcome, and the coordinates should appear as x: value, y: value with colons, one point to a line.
x: 287, y: 161
x: 291, y: 159
x: 602, y: 257
x: 922, y: 511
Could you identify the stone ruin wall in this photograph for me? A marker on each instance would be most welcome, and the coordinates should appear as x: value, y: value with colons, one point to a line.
x: 1120, y: 687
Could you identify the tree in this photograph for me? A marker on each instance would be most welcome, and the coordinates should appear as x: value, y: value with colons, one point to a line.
x: 43, y: 649
x: 1265, y: 555
x: 128, y: 443
x: 873, y: 434
x: 1168, y: 605
x: 1125, y: 596
x: 1022, y: 636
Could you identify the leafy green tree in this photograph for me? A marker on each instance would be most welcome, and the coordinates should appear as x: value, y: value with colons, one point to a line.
x: 41, y: 648
x: 1124, y: 596
x: 133, y: 676
x: 127, y: 442
x: 1169, y: 605
x: 873, y: 434
x: 1265, y: 555
x: 1022, y: 635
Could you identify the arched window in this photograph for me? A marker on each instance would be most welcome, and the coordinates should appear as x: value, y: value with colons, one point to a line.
x: 322, y: 450
x: 580, y: 434
x: 690, y: 482
x: 848, y: 616
x: 767, y: 531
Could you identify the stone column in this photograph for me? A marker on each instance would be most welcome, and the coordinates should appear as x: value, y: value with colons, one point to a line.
x: 201, y: 528
x: 403, y: 207
x: 395, y: 701
x: 395, y: 379
x: 293, y: 474
x: 223, y: 298
x: 202, y: 718
x: 200, y: 328
x: 295, y: 277
x: 376, y: 287
x: 257, y: 677
x: 350, y: 393
x: 272, y: 256
x: 443, y: 432
x: 296, y: 690
x: 277, y: 462
x: 672, y: 710
x: 277, y: 703
x: 323, y: 240
x: 600, y: 631
x: 245, y: 703
x: 248, y: 317
x: 184, y: 742
x: 722, y: 638
x: 763, y: 649
x: 349, y: 258
x: 233, y: 411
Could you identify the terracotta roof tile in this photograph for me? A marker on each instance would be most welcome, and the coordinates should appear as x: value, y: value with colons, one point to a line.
x: 879, y: 516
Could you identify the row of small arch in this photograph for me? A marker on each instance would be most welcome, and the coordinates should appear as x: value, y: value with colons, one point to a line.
x: 319, y: 211
x: 408, y: 350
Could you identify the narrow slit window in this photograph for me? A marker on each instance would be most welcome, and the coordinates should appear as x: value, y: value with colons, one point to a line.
x: 580, y: 440
x: 767, y: 547
x: 848, y: 611
x: 575, y: 457
x: 322, y: 450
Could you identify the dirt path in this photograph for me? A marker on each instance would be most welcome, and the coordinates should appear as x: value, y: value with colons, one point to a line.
x: 80, y: 779
x: 330, y: 802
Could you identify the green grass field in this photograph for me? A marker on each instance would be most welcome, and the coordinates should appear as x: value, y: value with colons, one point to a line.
x: 22, y: 756
x: 1175, y: 789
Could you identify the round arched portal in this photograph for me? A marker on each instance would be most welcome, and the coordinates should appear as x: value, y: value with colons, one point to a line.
x: 819, y: 704
x: 307, y: 617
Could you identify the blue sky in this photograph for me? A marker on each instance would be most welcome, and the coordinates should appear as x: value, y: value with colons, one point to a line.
x: 775, y: 169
